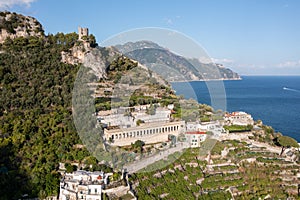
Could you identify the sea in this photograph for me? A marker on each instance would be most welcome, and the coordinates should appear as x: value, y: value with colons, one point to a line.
x: 273, y: 99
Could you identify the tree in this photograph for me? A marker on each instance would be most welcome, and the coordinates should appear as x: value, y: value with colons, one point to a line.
x: 92, y: 40
x: 286, y: 142
x: 70, y: 168
x: 138, y: 145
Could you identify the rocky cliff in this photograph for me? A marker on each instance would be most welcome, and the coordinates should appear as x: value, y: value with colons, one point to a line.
x: 14, y: 25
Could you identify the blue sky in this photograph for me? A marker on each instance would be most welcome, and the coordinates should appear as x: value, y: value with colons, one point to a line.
x: 253, y: 37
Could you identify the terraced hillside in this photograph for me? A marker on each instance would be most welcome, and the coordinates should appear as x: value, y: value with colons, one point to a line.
x: 232, y: 169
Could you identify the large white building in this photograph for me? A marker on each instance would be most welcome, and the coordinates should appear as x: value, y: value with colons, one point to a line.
x: 149, y: 123
x: 148, y: 133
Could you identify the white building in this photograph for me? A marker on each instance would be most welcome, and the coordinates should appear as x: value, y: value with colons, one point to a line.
x: 148, y: 132
x: 238, y: 118
x: 195, y: 133
x: 213, y: 126
x: 195, y: 138
x: 82, y: 185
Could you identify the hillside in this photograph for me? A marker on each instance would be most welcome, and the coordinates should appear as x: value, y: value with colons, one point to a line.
x: 234, y: 170
x: 37, y: 74
x: 173, y: 67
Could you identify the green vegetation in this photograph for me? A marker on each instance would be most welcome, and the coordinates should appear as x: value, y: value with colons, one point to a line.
x: 139, y: 121
x: 102, y: 103
x: 218, y: 147
x: 70, y: 168
x: 189, y: 177
x: 238, y: 128
x: 17, y: 20
x: 36, y: 128
x: 286, y: 142
x: 151, y: 110
x: 137, y: 146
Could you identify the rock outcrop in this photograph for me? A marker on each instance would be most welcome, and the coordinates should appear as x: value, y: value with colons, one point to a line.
x: 14, y: 25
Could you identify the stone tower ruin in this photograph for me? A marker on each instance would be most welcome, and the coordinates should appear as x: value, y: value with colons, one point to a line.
x: 82, y: 32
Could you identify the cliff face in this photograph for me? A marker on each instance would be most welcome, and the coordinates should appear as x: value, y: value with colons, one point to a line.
x: 14, y: 25
x: 76, y: 54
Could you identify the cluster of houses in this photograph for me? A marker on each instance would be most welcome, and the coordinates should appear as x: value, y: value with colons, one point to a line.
x: 83, y: 185
x: 92, y: 186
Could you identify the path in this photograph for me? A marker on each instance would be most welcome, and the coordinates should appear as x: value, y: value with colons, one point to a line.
x: 144, y: 162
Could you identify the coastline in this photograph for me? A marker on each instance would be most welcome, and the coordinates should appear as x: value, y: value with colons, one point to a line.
x: 260, y: 89
x: 205, y: 80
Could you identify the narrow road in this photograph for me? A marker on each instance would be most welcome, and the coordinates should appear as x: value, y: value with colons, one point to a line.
x: 144, y: 162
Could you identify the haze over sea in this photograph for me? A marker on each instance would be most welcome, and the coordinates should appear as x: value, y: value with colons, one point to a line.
x: 273, y: 99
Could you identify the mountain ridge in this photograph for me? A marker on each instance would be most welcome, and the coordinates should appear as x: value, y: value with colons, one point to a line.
x: 174, y: 67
